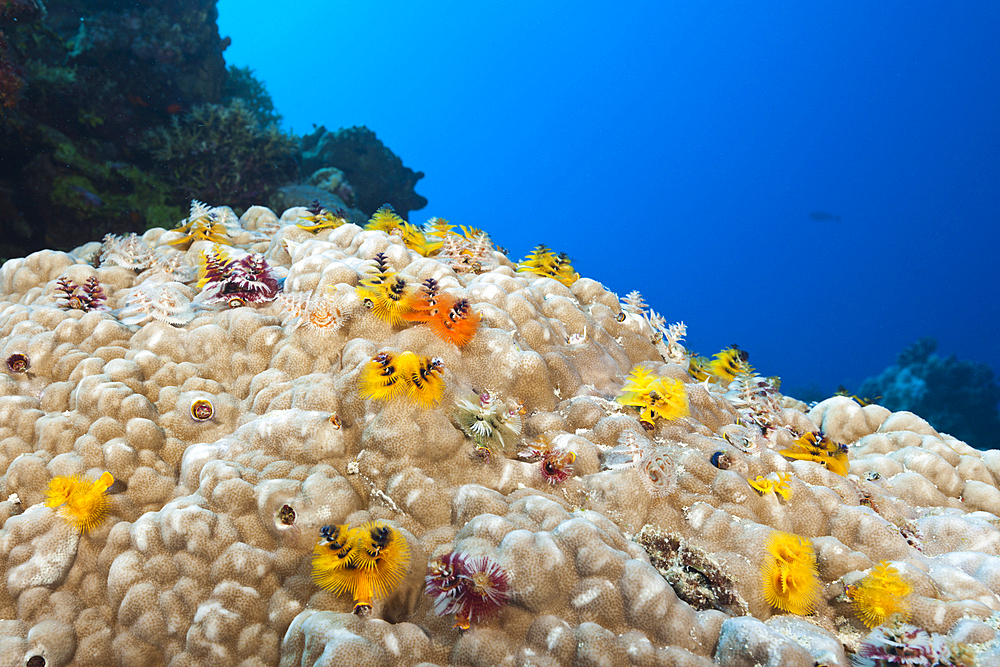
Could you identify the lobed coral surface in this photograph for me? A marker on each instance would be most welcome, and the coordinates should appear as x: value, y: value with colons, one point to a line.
x: 236, y: 431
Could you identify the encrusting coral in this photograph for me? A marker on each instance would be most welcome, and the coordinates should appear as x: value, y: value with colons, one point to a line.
x: 476, y: 498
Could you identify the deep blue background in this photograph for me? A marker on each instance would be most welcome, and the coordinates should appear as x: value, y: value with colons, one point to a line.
x: 678, y: 148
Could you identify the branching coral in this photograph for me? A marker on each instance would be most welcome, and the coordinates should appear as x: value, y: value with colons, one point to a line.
x: 223, y: 152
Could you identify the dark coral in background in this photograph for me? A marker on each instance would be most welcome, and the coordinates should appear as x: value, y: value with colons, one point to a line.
x: 957, y: 397
x: 115, y: 115
x: 376, y: 174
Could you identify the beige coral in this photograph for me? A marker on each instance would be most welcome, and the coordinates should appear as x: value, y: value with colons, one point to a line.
x: 205, y: 555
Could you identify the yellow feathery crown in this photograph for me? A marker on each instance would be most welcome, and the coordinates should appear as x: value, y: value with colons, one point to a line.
x: 83, y: 504
x: 544, y: 262
x: 815, y: 446
x: 780, y: 486
x: 367, y: 561
x: 386, y: 220
x: 655, y: 397
x: 385, y: 292
x: 381, y: 379
x: 730, y: 364
x: 332, y: 570
x: 789, y: 575
x: 389, y: 375
x: 212, y: 265
x: 881, y: 594
x: 698, y: 367
x: 317, y: 221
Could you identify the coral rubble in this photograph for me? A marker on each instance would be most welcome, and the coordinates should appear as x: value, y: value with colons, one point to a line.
x: 290, y: 472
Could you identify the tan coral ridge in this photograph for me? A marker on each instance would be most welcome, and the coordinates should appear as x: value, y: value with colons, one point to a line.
x: 204, y: 558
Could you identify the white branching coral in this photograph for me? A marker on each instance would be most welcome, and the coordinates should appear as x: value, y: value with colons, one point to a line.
x: 757, y: 401
x: 667, y: 338
x: 465, y: 255
x: 129, y: 251
x: 634, y: 303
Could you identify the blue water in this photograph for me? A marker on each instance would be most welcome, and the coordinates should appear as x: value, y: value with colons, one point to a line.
x: 678, y: 148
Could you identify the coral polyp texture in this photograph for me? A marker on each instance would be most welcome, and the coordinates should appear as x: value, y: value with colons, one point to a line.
x: 245, y: 441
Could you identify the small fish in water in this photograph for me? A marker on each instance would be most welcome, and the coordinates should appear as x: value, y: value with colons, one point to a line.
x: 823, y: 216
x: 88, y: 197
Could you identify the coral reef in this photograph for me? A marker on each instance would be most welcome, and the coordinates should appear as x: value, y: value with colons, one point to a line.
x: 79, y: 84
x: 376, y: 175
x: 292, y: 477
x: 224, y: 153
x: 956, y: 396
x: 113, y: 114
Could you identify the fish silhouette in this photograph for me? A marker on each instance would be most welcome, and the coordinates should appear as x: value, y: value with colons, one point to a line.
x: 823, y: 216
